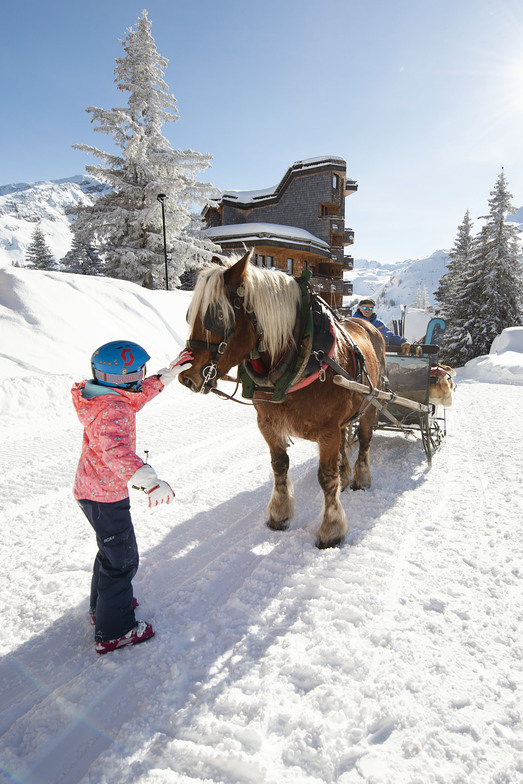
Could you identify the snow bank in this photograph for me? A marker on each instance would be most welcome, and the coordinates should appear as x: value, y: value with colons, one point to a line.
x: 53, y: 321
x: 504, y: 363
x: 511, y: 339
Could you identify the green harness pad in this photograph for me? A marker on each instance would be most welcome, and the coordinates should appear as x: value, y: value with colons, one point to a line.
x: 312, y: 323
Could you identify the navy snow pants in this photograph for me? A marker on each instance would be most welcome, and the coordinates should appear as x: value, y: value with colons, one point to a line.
x: 115, y: 565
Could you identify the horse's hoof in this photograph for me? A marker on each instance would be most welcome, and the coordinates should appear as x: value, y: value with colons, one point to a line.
x: 278, y: 525
x: 325, y: 545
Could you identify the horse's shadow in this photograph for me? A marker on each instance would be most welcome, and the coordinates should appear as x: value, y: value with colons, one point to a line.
x: 211, y: 581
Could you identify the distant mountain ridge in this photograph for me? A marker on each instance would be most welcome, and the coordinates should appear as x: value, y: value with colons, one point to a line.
x: 48, y: 204
x: 393, y: 285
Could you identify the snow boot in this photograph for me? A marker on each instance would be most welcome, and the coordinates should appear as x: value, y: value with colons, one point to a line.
x: 143, y: 631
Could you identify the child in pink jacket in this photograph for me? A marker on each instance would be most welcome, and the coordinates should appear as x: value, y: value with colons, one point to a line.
x: 106, y: 406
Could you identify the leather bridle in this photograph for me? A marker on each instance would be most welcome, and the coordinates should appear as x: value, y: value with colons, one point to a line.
x: 213, y: 321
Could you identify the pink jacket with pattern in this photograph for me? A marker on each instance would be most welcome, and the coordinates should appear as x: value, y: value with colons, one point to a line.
x: 109, y: 458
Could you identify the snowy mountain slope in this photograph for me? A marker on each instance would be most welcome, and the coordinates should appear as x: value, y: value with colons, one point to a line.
x: 400, y: 285
x: 395, y: 658
x: 368, y: 276
x: 24, y: 206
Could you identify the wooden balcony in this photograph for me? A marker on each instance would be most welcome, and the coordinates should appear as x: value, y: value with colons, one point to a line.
x: 331, y: 286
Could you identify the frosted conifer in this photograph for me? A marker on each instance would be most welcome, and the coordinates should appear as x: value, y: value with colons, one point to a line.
x: 493, y: 286
x: 127, y: 222
x: 425, y: 302
x: 83, y: 259
x: 416, y: 302
x: 482, y: 293
x: 456, y: 346
x: 38, y: 255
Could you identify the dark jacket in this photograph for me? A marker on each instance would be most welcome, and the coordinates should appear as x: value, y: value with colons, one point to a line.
x: 386, y: 333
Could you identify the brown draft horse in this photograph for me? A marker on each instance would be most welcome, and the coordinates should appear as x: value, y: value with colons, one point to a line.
x: 232, y: 305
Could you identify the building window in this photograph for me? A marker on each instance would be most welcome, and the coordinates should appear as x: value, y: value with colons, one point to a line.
x: 261, y: 260
x: 335, y: 181
x: 270, y: 262
x: 290, y: 266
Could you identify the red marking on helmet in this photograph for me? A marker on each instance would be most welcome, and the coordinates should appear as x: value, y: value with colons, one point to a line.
x: 127, y: 356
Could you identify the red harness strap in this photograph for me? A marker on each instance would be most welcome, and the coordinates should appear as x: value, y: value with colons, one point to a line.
x: 309, y: 379
x: 437, y: 371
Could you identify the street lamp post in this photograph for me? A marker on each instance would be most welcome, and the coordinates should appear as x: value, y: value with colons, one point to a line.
x: 161, y: 198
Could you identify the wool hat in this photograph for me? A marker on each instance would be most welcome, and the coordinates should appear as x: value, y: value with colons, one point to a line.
x: 367, y: 301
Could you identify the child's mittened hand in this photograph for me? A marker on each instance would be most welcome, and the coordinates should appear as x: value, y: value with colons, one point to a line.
x: 161, y: 494
x: 158, y: 491
x: 184, y: 356
x: 182, y: 362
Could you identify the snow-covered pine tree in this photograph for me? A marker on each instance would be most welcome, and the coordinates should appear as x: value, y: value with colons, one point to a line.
x: 425, y: 301
x: 82, y: 258
x: 416, y: 302
x: 493, y: 287
x: 38, y: 255
x: 127, y: 222
x: 456, y: 346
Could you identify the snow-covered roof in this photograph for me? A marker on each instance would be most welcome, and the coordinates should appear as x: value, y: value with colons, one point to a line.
x: 247, y: 197
x: 256, y: 231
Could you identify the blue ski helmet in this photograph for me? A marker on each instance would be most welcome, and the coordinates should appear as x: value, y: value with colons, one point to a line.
x: 120, y: 363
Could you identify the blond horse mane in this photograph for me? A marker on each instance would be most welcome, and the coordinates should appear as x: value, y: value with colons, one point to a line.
x: 271, y: 294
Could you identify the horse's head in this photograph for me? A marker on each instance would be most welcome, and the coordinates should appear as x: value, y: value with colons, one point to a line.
x: 221, y: 332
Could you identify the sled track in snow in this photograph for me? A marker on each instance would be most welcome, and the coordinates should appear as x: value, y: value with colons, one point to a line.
x: 232, y: 602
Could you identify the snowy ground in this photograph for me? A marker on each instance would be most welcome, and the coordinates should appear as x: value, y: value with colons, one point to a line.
x: 395, y: 659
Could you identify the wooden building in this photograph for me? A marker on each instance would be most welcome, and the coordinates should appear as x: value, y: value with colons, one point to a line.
x: 299, y: 224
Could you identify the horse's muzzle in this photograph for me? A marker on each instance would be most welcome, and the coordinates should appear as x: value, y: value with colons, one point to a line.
x: 189, y: 383
x: 197, y: 385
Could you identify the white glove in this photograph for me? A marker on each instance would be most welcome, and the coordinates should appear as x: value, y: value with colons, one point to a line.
x: 182, y: 362
x: 161, y: 494
x: 158, y: 491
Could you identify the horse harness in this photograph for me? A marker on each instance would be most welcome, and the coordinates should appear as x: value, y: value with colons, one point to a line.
x: 309, y: 351
x: 214, y: 321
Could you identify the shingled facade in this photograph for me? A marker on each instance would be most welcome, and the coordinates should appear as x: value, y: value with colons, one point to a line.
x: 299, y: 224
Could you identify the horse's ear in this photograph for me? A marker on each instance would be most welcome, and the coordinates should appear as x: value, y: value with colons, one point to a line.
x: 234, y: 275
x: 218, y: 260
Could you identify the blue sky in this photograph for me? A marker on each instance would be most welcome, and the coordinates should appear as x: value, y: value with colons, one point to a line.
x: 423, y: 99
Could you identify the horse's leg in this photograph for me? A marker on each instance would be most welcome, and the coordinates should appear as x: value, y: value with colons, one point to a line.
x: 362, y: 476
x: 281, y: 505
x: 344, y: 465
x: 334, y: 524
